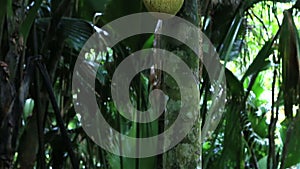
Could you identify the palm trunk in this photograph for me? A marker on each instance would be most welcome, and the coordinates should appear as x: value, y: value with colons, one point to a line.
x: 186, y: 154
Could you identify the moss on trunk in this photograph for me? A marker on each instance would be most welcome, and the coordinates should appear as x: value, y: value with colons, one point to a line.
x: 187, y: 154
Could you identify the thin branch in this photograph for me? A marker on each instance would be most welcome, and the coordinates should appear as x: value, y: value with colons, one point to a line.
x: 40, y: 124
x: 275, y: 14
x: 156, y: 80
x: 40, y: 127
x: 59, y: 119
x: 272, y: 127
x: 252, y: 81
x: 261, y: 21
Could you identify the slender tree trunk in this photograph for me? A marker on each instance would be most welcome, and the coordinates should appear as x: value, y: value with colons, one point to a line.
x: 187, y: 154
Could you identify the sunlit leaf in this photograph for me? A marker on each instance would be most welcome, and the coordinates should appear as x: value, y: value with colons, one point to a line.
x: 262, y: 163
x: 261, y: 61
x: 28, y: 107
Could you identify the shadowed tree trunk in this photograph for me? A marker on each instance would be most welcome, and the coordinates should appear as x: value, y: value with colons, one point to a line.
x: 6, y: 102
x: 12, y: 96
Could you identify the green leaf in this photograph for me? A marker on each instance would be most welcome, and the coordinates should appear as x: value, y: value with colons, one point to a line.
x: 2, y: 16
x: 261, y: 61
x: 27, y: 23
x: 232, y: 152
x: 257, y: 87
x: 293, y: 148
x: 228, y: 43
x: 119, y: 8
x: 28, y: 108
x: 9, y: 9
x: 206, y: 145
x: 76, y: 31
x: 262, y: 163
x: 289, y: 49
x: 259, y: 124
x: 234, y: 85
x: 72, y: 124
x: 86, y: 9
x: 149, y: 42
x: 3, y: 4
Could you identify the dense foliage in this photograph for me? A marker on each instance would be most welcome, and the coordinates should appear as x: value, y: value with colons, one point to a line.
x: 258, y: 44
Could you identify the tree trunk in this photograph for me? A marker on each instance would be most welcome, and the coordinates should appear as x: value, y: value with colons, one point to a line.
x: 11, y: 99
x: 186, y: 154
